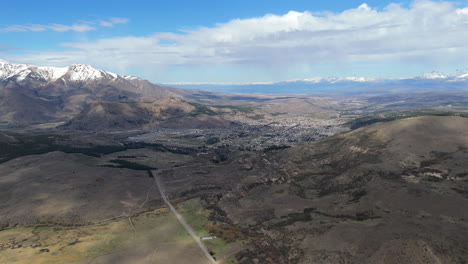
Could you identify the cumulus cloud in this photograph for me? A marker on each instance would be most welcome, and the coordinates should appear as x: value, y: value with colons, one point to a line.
x: 78, y: 27
x: 424, y: 32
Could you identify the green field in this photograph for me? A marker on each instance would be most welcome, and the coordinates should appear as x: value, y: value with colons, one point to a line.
x: 116, y: 239
x: 196, y: 216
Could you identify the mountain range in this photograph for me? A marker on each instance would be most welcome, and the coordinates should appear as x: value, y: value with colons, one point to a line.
x: 80, y: 95
x: 431, y: 82
x: 44, y: 94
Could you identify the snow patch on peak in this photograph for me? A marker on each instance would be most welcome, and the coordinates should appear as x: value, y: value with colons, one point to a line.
x: 81, y: 67
x: 51, y: 73
x: 8, y: 70
x: 131, y: 78
x: 75, y: 72
x: 356, y: 79
x: 307, y: 80
x: 434, y: 75
x: 23, y: 74
x: 461, y: 76
x: 334, y: 79
x: 84, y: 72
x: 19, y: 72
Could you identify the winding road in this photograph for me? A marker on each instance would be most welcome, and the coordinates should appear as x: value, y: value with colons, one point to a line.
x: 182, y: 221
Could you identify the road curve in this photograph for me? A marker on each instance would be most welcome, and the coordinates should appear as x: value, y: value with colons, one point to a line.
x: 182, y: 221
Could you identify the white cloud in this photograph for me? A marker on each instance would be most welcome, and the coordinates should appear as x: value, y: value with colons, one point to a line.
x: 430, y: 32
x: 105, y: 23
x: 118, y: 20
x: 113, y: 21
x: 78, y: 27
x: 74, y: 27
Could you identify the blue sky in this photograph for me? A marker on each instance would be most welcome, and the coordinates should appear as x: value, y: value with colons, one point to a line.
x: 239, y: 41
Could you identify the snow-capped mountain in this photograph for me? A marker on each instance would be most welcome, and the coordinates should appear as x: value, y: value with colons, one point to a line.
x: 34, y: 94
x: 8, y: 70
x: 434, y: 76
x: 51, y: 73
x: 462, y: 77
x: 333, y: 79
x: 83, y: 72
x: 433, y: 81
x: 75, y: 72
x: 131, y: 78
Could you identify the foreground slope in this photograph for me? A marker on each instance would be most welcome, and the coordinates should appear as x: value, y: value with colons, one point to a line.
x: 95, y: 207
x: 389, y: 193
x: 67, y: 189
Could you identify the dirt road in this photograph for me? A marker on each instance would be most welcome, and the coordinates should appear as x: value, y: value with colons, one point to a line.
x: 182, y: 220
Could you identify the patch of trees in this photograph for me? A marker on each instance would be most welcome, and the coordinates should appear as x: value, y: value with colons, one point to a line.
x: 358, y: 194
x: 257, y: 117
x: 191, y: 192
x: 31, y: 145
x: 163, y: 148
x: 219, y: 158
x: 201, y: 110
x: 240, y: 108
x: 128, y: 165
x: 212, y: 141
x: 279, y: 113
x: 292, y: 218
x: 275, y: 147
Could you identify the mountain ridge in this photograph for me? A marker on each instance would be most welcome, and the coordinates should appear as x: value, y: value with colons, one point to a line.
x: 431, y: 82
x: 44, y: 94
x: 76, y: 72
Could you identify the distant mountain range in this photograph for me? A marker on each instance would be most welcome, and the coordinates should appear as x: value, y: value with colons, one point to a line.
x: 433, y: 82
x: 87, y: 98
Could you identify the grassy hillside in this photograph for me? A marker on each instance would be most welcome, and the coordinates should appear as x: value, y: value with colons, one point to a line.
x: 391, y: 116
x: 30, y: 145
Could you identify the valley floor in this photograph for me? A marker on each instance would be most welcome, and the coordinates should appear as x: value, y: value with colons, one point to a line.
x: 152, y: 237
x: 386, y: 192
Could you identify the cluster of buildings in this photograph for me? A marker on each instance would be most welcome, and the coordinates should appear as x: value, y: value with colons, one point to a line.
x: 284, y: 131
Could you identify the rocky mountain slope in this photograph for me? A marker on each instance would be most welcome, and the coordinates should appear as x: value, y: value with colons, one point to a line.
x: 169, y: 112
x: 42, y: 94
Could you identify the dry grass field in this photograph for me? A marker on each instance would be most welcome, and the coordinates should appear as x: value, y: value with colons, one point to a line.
x: 157, y: 238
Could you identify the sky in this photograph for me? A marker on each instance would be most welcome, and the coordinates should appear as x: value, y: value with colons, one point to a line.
x: 239, y: 41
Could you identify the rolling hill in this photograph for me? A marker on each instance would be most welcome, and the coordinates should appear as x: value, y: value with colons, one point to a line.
x: 386, y: 193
